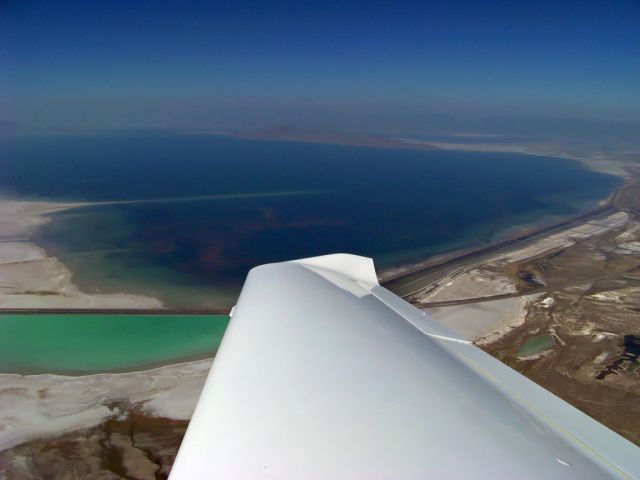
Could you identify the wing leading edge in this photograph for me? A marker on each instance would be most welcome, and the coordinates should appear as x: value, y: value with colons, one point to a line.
x: 323, y: 374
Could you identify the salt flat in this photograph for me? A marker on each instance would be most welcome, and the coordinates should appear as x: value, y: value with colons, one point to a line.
x: 34, y: 406
x: 482, y: 321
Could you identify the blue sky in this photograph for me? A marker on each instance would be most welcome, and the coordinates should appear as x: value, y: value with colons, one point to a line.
x: 227, y: 65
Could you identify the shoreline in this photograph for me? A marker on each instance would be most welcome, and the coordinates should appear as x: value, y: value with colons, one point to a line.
x: 33, y: 279
x: 395, y: 276
x: 23, y: 259
x: 464, y: 289
x: 33, y: 295
x: 593, y: 161
x: 115, y: 372
x: 485, y: 297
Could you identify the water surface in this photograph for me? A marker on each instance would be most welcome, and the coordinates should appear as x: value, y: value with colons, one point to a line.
x: 535, y: 345
x: 80, y: 344
x: 263, y: 202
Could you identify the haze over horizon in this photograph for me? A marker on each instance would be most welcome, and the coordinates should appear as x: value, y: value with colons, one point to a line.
x: 78, y: 66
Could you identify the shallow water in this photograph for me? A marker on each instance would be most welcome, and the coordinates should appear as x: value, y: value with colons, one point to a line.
x: 80, y: 344
x: 535, y: 345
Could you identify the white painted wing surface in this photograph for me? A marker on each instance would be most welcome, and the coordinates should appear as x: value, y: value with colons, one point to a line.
x: 323, y: 374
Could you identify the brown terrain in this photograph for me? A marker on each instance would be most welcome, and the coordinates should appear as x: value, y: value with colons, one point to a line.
x: 134, y: 447
x: 591, y: 309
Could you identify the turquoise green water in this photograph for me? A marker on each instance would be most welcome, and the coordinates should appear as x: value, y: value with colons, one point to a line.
x: 536, y: 345
x: 77, y: 343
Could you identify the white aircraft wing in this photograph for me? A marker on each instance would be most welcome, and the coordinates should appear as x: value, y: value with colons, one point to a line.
x: 323, y: 374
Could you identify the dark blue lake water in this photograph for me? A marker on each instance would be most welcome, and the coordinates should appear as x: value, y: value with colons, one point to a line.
x: 393, y: 205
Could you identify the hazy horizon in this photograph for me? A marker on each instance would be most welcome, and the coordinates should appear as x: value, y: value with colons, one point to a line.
x: 384, y: 67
